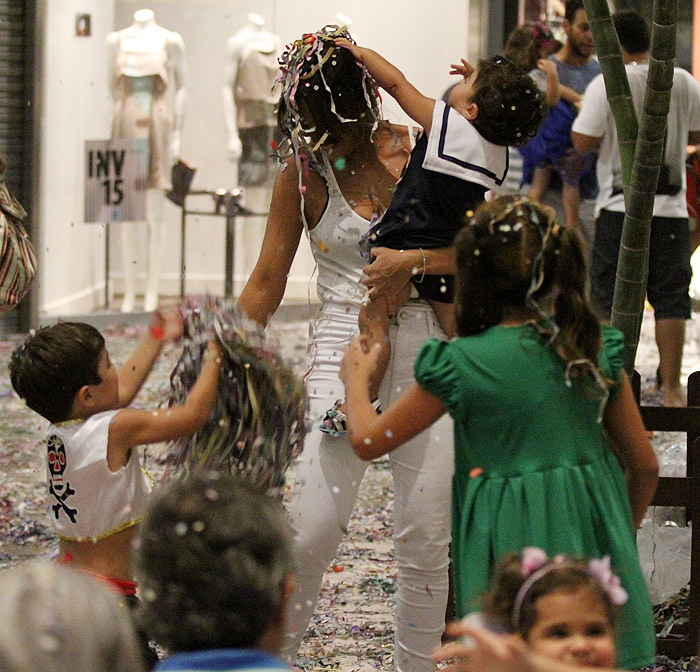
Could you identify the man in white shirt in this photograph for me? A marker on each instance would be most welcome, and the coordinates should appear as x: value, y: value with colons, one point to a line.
x: 669, y: 248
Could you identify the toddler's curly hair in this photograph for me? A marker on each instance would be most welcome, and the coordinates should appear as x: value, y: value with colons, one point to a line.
x: 511, y: 106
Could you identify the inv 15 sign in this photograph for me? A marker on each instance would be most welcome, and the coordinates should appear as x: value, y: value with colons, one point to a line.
x: 115, y: 181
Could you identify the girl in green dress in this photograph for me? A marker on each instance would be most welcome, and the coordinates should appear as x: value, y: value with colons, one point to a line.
x: 550, y: 449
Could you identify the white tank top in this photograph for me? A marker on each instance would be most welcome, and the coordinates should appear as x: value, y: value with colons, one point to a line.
x: 335, y: 247
x: 86, y: 499
x: 138, y: 60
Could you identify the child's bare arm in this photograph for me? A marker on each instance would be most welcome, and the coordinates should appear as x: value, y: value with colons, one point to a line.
x: 552, y: 93
x: 165, y: 326
x: 372, y: 435
x: 391, y: 79
x: 625, y: 429
x: 487, y: 651
x: 132, y: 427
x: 569, y: 95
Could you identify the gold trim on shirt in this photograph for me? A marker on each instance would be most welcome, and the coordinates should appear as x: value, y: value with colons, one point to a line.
x: 99, y: 537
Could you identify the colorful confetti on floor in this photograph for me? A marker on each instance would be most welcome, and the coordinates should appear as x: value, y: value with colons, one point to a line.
x: 352, y: 630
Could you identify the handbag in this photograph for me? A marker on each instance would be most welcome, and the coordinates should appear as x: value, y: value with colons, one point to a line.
x: 17, y: 256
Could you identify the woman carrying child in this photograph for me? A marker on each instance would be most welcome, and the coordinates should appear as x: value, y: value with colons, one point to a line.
x: 339, y: 174
x: 344, y: 165
x: 461, y: 154
x: 545, y: 418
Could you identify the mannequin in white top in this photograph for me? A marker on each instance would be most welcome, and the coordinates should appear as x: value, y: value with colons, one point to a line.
x: 145, y: 62
x: 249, y: 101
x: 251, y: 38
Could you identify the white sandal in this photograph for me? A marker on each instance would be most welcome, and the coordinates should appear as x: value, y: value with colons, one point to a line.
x: 333, y: 422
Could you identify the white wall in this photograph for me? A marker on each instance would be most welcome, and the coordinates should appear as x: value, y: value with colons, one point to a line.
x: 419, y: 40
x: 71, y: 261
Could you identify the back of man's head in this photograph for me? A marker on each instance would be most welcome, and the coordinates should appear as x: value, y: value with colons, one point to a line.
x: 632, y: 31
x: 214, y: 560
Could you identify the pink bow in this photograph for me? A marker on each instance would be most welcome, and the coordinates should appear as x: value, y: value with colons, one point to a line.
x: 600, y: 569
x: 532, y: 558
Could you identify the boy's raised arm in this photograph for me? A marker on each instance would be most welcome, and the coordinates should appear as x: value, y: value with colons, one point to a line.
x: 391, y: 79
x: 165, y: 326
x: 132, y: 427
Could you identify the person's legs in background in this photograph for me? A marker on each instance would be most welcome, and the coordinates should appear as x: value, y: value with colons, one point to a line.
x: 540, y: 183
x: 670, y: 338
x: 667, y: 289
x: 586, y: 218
x: 668, y: 293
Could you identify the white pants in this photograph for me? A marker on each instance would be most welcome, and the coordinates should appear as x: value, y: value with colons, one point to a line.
x: 328, y: 477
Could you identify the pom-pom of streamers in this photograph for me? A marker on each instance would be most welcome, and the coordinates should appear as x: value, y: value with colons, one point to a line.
x: 257, y: 425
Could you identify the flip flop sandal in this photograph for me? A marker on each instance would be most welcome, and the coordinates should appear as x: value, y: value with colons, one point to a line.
x: 333, y: 422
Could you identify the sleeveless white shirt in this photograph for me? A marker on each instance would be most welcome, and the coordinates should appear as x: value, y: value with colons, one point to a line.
x: 335, y: 247
x: 86, y: 499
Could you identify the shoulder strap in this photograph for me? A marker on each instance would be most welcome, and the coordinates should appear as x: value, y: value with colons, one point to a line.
x: 329, y: 176
x: 412, y: 132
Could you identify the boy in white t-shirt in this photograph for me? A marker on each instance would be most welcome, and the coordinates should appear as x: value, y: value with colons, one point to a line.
x: 669, y: 247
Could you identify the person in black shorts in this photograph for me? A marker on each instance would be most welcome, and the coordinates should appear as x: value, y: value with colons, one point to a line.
x: 669, y: 248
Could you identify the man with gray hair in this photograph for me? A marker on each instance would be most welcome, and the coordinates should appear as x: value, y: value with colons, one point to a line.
x: 215, y: 565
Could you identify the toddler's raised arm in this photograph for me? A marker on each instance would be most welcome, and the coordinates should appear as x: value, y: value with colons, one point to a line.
x: 391, y: 79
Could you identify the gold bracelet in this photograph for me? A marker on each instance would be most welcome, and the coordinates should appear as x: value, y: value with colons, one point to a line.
x: 422, y: 277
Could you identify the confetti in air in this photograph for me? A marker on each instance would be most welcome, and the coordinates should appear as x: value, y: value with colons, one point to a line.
x: 257, y: 425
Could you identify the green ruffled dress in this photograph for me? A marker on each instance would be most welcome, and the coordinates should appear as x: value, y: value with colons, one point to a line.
x: 533, y: 467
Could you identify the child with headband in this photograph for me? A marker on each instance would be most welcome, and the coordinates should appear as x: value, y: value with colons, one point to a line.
x: 550, y: 449
x: 563, y: 608
x: 461, y: 154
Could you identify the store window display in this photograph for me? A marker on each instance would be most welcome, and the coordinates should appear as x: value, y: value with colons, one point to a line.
x: 147, y: 78
x: 249, y: 99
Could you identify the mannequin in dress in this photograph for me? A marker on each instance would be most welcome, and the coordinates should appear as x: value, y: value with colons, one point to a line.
x: 249, y: 112
x: 144, y: 62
